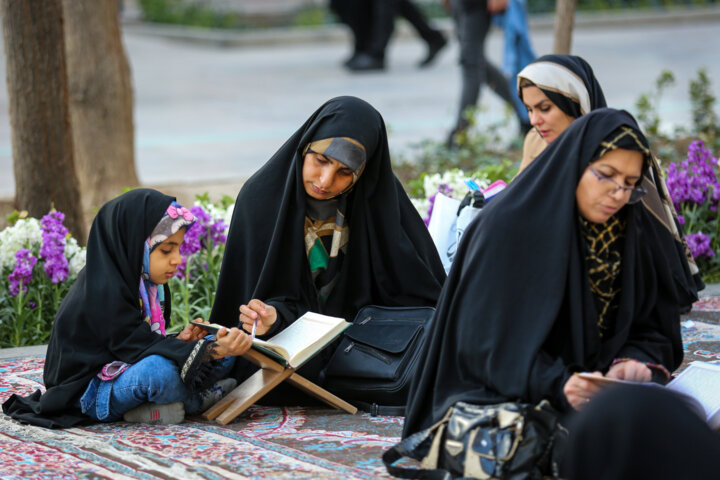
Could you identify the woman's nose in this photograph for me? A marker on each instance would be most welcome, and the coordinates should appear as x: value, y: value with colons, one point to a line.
x: 326, y: 178
x: 618, y: 194
x: 535, y: 119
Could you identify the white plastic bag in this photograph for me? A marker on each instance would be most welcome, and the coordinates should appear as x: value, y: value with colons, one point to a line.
x: 443, y: 228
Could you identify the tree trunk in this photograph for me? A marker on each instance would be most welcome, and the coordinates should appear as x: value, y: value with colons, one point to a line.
x: 564, y: 16
x: 101, y: 101
x: 42, y: 147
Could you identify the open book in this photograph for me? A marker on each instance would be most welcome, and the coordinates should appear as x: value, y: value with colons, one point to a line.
x: 699, y: 383
x: 302, y: 339
x: 299, y: 342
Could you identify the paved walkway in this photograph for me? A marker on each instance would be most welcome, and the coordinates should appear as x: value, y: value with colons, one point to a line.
x: 211, y: 107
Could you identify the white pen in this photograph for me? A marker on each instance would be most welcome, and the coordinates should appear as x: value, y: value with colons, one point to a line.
x: 252, y: 334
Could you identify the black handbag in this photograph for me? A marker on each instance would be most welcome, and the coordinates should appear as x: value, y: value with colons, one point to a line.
x: 511, y: 440
x: 376, y: 357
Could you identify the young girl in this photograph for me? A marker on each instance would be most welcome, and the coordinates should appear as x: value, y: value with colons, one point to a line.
x: 109, y: 355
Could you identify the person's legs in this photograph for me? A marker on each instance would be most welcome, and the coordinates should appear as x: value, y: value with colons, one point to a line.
x: 221, y: 385
x: 382, y: 25
x: 434, y: 38
x: 472, y: 23
x: 356, y: 15
x: 153, y: 379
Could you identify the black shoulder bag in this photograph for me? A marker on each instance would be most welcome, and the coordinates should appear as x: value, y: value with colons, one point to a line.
x: 376, y: 357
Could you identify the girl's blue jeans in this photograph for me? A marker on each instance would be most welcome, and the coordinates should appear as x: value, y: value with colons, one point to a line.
x: 152, y: 379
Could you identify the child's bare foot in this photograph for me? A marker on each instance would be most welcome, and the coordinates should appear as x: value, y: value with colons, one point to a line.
x: 165, y: 414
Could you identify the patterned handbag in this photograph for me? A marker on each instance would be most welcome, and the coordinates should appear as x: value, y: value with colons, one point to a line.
x: 505, y: 441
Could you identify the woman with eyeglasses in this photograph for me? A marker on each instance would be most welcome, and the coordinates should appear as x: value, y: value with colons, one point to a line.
x: 558, y: 89
x: 564, y: 272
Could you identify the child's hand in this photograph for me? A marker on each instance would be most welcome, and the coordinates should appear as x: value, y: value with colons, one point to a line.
x: 257, y: 310
x: 231, y: 342
x: 192, y: 332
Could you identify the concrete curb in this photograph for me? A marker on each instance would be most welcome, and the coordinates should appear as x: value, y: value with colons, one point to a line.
x: 337, y: 32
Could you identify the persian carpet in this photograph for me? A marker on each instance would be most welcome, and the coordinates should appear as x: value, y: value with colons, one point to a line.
x: 263, y: 443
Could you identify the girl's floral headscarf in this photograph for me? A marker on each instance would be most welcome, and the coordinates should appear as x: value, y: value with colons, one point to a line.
x: 152, y: 299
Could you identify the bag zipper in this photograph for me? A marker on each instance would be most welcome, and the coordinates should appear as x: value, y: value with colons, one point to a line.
x: 370, y: 351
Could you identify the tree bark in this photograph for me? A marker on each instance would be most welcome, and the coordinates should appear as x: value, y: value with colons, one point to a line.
x: 564, y: 17
x: 101, y: 101
x: 43, y: 163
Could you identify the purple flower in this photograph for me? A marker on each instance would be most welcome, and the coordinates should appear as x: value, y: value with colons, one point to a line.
x: 181, y: 270
x: 699, y: 244
x: 53, y: 248
x: 22, y: 274
x: 693, y: 181
x: 431, y: 199
x: 204, y: 233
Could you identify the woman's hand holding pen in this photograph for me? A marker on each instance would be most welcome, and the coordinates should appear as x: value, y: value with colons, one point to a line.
x: 231, y: 342
x: 259, y: 314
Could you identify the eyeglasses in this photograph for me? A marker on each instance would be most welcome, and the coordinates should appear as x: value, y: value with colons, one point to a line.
x: 636, y: 193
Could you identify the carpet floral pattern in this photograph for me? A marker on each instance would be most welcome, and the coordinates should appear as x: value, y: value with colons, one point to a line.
x: 263, y: 443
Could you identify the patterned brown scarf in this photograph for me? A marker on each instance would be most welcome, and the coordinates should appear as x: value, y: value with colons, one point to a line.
x: 604, y: 242
x: 326, y: 232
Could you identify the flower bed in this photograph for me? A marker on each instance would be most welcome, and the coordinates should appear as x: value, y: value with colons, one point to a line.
x: 695, y: 191
x: 39, y: 259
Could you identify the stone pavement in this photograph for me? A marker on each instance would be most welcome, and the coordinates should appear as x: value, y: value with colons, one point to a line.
x: 211, y: 107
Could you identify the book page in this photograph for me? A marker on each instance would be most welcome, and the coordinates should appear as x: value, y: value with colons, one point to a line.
x: 272, y: 348
x: 701, y: 381
x: 305, y: 336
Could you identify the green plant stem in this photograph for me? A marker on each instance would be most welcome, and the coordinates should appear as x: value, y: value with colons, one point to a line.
x: 19, y: 323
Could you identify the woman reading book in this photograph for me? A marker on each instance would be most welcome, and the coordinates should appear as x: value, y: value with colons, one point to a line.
x: 325, y: 226
x: 557, y: 89
x: 564, y: 272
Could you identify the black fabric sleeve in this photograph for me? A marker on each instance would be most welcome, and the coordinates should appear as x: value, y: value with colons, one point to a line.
x: 547, y: 378
x: 648, y: 343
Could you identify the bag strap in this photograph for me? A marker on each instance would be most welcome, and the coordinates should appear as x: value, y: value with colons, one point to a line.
x: 417, y: 445
x: 374, y: 409
x: 405, y: 449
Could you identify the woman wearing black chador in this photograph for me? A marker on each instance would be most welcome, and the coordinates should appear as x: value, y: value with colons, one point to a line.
x: 565, y: 272
x: 325, y: 226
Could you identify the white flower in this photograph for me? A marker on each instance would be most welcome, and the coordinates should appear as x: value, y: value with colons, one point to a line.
x: 75, y: 255
x: 217, y: 213
x: 26, y: 233
x: 455, y: 180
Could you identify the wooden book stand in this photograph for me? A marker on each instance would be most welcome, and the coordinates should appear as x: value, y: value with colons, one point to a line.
x: 270, y: 375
